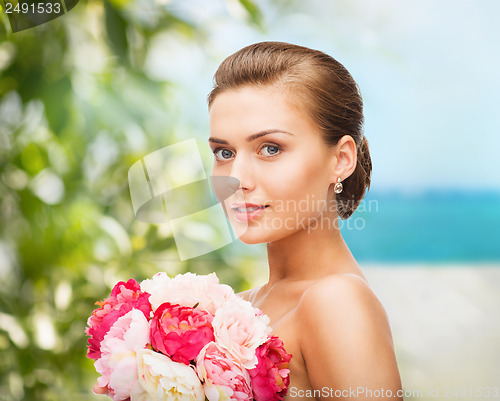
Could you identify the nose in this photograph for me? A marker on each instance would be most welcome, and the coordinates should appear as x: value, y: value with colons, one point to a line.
x: 241, y: 169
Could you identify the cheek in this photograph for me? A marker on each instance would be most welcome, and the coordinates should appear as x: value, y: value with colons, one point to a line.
x: 299, y: 179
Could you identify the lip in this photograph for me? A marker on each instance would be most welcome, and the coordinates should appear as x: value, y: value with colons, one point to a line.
x: 247, y: 211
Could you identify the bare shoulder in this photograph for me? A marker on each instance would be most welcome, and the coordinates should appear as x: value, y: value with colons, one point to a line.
x: 347, y: 302
x: 350, y: 332
x: 346, y: 291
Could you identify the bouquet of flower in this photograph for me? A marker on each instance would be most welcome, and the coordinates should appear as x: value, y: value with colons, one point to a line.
x: 185, y: 338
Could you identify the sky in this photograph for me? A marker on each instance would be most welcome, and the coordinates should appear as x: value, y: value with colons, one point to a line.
x: 428, y: 72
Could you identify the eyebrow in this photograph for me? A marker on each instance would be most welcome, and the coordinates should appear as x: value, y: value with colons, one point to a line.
x: 251, y: 137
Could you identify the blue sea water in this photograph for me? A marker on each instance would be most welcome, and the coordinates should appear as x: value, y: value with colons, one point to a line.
x: 434, y: 226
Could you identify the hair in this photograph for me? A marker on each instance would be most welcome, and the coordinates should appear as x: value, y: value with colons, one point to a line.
x: 322, y: 85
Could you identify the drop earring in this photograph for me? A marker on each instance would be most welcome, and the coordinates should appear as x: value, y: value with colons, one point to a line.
x: 338, y: 186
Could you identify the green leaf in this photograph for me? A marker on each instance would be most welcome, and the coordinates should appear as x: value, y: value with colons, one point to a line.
x: 116, y: 28
x: 253, y: 11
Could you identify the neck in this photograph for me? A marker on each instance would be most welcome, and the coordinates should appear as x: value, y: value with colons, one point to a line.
x: 310, y: 254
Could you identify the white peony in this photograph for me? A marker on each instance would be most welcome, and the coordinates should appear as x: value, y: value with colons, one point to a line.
x: 188, y: 290
x: 163, y: 379
x: 155, y: 285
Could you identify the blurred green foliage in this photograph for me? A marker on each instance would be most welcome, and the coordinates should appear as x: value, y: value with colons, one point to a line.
x: 77, y: 109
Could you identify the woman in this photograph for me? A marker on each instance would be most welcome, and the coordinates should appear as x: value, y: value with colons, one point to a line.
x: 286, y: 121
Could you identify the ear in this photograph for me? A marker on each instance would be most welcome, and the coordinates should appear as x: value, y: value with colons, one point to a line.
x: 344, y: 158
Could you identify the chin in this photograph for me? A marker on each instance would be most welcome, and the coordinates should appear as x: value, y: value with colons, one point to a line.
x: 255, y: 235
x: 249, y: 236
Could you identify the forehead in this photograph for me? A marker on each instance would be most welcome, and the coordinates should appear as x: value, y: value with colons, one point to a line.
x: 250, y: 109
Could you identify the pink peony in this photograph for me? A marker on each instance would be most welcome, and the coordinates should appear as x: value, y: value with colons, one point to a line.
x: 118, y: 361
x: 270, y: 377
x: 223, y: 377
x: 180, y: 332
x: 124, y: 298
x: 240, y: 329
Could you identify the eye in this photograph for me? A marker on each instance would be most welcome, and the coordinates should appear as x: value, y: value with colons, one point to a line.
x: 270, y: 150
x: 223, y: 154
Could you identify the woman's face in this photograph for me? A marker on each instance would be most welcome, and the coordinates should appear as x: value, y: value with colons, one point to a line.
x: 278, y: 155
